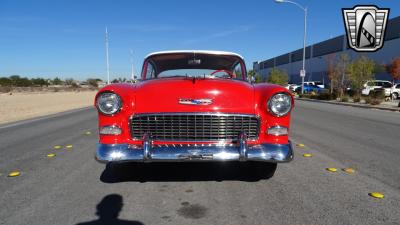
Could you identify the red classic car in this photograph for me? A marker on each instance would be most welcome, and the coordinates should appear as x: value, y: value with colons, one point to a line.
x: 194, y: 106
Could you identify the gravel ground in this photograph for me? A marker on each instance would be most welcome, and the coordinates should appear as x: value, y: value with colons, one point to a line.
x: 20, y: 106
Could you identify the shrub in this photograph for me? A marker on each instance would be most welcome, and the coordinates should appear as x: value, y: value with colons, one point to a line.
x: 324, y: 91
x: 92, y: 82
x: 367, y: 100
x: 376, y: 101
x: 75, y: 85
x: 304, y: 95
x: 5, y: 89
x: 379, y: 94
x: 356, y: 98
x: 326, y: 96
x: 277, y: 76
x: 345, y: 98
x: 351, y: 93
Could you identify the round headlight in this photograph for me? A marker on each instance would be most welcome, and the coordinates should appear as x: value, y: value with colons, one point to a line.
x: 280, y: 104
x: 108, y: 103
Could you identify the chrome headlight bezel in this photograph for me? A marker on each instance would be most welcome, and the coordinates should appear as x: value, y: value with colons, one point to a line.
x: 112, y: 98
x: 274, y: 100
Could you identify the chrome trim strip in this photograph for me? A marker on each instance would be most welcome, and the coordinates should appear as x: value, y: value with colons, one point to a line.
x: 195, y: 113
x: 210, y: 52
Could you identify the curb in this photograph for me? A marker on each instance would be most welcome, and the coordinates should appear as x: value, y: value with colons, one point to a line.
x: 350, y: 104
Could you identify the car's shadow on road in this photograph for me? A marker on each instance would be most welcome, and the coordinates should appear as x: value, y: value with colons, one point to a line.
x: 204, y: 171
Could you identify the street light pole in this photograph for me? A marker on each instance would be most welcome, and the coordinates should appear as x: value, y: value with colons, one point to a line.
x: 132, y: 68
x: 304, y: 40
x: 304, y: 50
x: 107, y: 60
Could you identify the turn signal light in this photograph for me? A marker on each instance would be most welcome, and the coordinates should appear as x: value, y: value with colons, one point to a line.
x: 110, y: 130
x: 277, y: 131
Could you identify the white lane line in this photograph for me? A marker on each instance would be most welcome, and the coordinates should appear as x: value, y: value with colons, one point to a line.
x: 44, y: 117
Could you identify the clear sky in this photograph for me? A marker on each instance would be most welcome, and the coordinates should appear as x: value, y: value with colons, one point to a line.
x: 51, y: 38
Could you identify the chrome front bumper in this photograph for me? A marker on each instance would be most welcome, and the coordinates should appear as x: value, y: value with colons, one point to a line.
x: 277, y: 153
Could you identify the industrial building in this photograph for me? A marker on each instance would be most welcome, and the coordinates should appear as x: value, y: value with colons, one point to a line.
x: 318, y: 55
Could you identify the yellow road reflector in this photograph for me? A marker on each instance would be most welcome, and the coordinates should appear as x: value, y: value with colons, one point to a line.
x: 51, y: 155
x: 57, y: 147
x: 14, y: 174
x: 331, y: 169
x: 300, y: 145
x: 376, y: 195
x: 88, y: 132
x: 307, y: 155
x: 348, y: 170
x: 68, y: 146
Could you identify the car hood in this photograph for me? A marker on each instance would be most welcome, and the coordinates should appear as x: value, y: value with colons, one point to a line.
x: 171, y: 94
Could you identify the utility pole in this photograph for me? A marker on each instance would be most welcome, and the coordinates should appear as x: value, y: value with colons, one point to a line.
x: 107, y: 60
x: 132, y: 68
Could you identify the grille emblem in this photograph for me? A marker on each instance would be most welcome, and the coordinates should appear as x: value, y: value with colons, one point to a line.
x: 189, y: 101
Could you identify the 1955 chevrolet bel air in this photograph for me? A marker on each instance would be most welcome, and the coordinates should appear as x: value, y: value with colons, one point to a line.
x: 194, y: 106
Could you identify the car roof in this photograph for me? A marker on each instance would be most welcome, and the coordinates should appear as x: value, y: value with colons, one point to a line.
x: 211, y: 52
x: 379, y: 81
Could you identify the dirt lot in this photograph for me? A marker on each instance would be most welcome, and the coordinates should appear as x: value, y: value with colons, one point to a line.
x: 19, y: 106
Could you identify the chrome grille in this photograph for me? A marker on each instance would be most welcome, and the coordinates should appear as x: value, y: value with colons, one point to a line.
x: 194, y: 127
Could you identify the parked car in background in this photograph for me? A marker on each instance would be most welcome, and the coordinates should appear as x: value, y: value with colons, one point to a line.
x: 292, y: 87
x: 310, y: 88
x: 287, y: 86
x: 318, y: 83
x: 377, y: 84
x: 396, y: 91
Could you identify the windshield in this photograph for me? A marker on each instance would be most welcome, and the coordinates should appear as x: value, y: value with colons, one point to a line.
x: 386, y: 84
x: 189, y: 64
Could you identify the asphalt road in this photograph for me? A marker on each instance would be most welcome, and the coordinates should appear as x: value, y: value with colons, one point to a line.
x: 72, y: 188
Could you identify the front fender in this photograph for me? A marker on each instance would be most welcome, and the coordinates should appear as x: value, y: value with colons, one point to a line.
x: 262, y: 93
x: 127, y: 92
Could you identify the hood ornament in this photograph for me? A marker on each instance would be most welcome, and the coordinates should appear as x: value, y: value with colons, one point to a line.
x: 189, y: 101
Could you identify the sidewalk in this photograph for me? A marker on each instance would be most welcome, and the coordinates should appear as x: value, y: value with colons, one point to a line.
x: 388, y: 106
